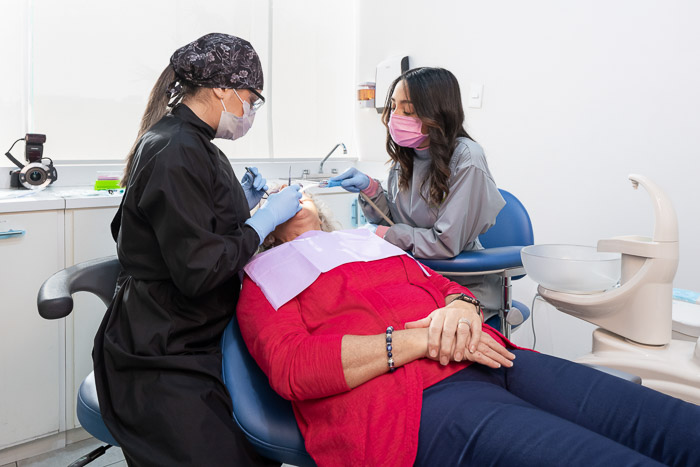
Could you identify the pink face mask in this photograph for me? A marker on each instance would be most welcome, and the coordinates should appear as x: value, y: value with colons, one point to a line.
x: 405, y: 131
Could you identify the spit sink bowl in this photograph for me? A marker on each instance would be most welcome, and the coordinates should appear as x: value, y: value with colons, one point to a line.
x: 572, y: 269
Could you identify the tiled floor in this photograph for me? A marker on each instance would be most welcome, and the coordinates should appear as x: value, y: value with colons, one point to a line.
x: 63, y: 457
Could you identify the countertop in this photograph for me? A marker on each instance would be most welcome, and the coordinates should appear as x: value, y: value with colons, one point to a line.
x: 70, y: 197
x: 78, y: 197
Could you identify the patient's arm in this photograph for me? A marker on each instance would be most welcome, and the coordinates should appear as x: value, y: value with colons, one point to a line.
x: 365, y: 357
x: 298, y: 365
x: 301, y: 366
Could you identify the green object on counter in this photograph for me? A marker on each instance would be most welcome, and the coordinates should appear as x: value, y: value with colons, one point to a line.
x: 107, y: 185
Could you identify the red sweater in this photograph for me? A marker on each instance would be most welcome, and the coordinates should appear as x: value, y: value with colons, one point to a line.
x: 298, y: 348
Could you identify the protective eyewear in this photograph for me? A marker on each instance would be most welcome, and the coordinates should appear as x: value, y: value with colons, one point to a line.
x: 257, y: 103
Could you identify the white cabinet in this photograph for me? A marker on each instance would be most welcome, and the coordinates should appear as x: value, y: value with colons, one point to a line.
x: 88, y: 236
x: 43, y: 362
x: 31, y: 348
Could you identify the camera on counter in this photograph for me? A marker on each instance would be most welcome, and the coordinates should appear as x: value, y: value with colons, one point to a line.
x: 37, y: 174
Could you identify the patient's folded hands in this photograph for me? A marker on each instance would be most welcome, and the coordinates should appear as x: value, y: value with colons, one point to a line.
x: 451, y: 330
x: 455, y: 334
x: 491, y: 353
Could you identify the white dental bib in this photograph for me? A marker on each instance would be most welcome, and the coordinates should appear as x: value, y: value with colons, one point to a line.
x: 286, y: 270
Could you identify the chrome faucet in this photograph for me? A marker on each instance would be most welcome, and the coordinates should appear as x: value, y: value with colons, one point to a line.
x: 345, y: 151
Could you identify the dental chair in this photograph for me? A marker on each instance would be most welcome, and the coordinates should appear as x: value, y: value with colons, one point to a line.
x: 266, y: 419
x: 501, y: 255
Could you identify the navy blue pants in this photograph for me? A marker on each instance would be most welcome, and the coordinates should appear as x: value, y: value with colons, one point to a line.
x: 545, y: 411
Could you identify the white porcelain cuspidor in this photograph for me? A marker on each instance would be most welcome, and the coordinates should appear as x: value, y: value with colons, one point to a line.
x: 635, y: 318
x: 573, y: 269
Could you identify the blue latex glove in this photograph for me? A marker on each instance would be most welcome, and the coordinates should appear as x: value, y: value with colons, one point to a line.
x: 279, y: 208
x: 254, y: 186
x: 352, y: 180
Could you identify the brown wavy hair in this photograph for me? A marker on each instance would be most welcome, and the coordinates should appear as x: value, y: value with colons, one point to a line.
x: 159, y: 104
x: 437, y: 101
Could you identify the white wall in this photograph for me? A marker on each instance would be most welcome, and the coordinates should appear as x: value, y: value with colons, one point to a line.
x: 81, y: 72
x: 313, y: 45
x: 13, y: 77
x: 94, y: 64
x: 577, y: 95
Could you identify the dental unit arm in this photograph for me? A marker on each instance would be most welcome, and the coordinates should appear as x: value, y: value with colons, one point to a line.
x: 640, y: 308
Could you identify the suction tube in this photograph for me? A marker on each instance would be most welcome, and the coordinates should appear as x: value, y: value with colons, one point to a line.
x: 666, y: 221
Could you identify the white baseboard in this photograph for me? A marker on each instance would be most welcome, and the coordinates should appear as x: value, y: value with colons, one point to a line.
x: 42, y: 445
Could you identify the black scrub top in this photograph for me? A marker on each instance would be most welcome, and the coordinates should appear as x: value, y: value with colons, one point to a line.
x: 181, y: 240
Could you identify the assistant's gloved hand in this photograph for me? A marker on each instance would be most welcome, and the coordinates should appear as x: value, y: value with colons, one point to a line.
x: 279, y: 208
x: 254, y: 186
x: 352, y: 180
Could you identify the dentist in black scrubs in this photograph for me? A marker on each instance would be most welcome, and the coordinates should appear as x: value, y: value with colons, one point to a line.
x: 183, y: 232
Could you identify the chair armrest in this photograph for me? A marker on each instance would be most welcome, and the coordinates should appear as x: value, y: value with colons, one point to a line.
x: 98, y: 276
x: 489, y: 260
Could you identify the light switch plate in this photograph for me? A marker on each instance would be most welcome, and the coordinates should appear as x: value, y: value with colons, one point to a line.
x: 476, y: 92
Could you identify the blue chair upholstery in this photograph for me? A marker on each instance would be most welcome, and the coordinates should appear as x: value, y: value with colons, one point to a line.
x: 88, y: 410
x: 501, y: 255
x: 266, y: 419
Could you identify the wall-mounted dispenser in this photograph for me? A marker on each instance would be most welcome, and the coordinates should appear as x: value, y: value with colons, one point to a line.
x: 387, y: 71
x: 365, y: 94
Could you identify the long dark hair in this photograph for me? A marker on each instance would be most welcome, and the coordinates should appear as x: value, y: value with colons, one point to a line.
x: 159, y: 104
x: 437, y: 101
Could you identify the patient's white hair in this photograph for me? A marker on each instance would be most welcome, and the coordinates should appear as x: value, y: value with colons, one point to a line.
x: 328, y: 224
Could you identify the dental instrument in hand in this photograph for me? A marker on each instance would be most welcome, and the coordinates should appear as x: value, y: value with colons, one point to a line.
x: 331, y: 183
x: 306, y: 187
x: 328, y: 183
x: 252, y: 174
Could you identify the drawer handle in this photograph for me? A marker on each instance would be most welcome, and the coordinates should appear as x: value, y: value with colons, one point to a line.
x: 11, y: 233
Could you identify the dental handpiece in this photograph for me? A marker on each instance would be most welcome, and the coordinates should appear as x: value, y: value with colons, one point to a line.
x: 306, y: 187
x: 329, y: 183
x: 322, y: 184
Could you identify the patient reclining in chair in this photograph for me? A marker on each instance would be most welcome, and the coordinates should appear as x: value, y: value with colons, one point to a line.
x: 388, y: 363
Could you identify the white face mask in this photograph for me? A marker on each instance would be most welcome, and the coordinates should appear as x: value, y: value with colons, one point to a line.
x: 232, y: 126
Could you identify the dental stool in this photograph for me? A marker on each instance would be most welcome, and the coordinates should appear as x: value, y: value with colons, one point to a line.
x: 501, y: 255
x: 98, y: 276
x: 266, y: 419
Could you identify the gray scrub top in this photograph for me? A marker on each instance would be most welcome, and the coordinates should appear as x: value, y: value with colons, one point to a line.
x: 469, y: 209
x: 444, y: 231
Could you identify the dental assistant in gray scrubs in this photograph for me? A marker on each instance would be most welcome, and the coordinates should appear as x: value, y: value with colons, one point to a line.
x: 440, y: 193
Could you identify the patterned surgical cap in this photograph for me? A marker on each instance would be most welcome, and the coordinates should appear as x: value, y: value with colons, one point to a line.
x: 219, y: 61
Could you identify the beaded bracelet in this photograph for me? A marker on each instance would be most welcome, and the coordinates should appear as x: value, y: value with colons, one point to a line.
x: 466, y: 298
x: 389, y: 355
